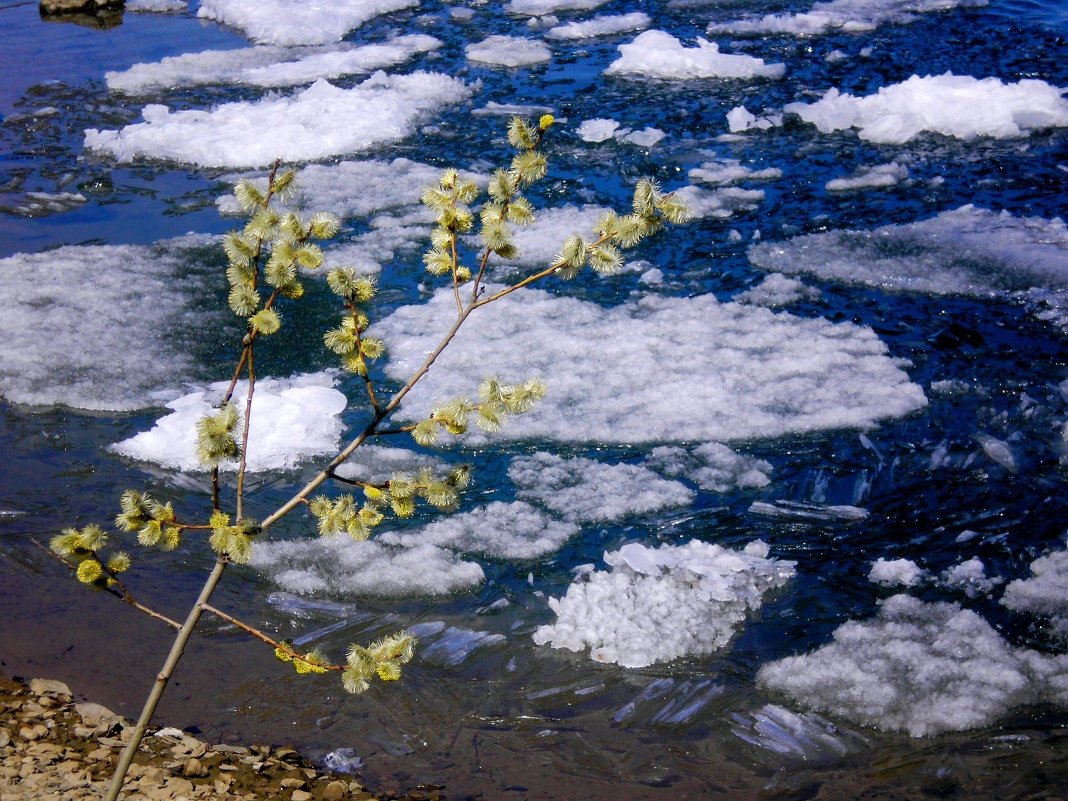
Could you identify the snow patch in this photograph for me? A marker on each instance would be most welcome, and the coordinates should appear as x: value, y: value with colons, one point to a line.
x: 658, y: 604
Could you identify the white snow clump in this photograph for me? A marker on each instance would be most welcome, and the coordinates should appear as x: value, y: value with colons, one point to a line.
x: 656, y: 54
x: 658, y: 604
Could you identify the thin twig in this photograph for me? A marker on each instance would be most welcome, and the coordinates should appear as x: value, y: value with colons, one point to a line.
x: 263, y: 637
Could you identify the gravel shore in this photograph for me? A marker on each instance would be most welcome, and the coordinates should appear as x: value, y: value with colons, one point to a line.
x: 53, y: 749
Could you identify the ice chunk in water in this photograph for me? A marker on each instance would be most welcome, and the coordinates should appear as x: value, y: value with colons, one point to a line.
x: 805, y: 735
x: 1044, y: 592
x: 900, y: 572
x: 656, y: 54
x: 923, y: 668
x: 585, y: 490
x: 751, y: 373
x: 657, y: 604
x: 450, y: 645
x: 293, y: 22
x: 600, y: 26
x: 508, y: 51
x: 292, y: 420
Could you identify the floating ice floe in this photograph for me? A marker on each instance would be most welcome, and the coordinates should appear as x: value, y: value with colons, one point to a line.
x: 539, y: 8
x: 852, y: 16
x: 798, y: 510
x: 293, y: 420
x: 777, y: 290
x: 668, y: 702
x: 538, y: 243
x: 266, y: 66
x: 896, y: 572
x: 450, y: 645
x: 922, y: 668
x: 719, y: 203
x: 952, y: 105
x: 155, y: 6
x: 731, y: 171
x: 315, y: 123
x: 608, y: 25
x: 88, y: 326
x: 601, y: 130
x: 653, y: 369
x: 38, y: 204
x: 712, y: 466
x: 585, y: 490
x: 740, y: 119
x: 499, y: 530
x: 355, y: 188
x: 805, y: 736
x: 656, y: 54
x: 970, y: 578
x: 509, y: 51
x: 881, y: 176
x: 967, y: 251
x: 658, y: 604
x: 293, y: 22
x: 1044, y: 592
x: 377, y: 464
x: 338, y: 566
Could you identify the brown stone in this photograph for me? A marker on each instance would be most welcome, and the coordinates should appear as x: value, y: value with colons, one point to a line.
x: 335, y: 791
x: 301, y: 795
x: 49, y: 687
x: 194, y: 769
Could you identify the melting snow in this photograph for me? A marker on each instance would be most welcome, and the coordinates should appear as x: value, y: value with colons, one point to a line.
x: 585, y: 490
x: 953, y: 105
x: 923, y: 668
x: 967, y: 251
x: 656, y: 54
x: 777, y: 290
x: 265, y: 66
x: 749, y: 372
x: 500, y: 530
x: 657, y: 604
x: 601, y: 26
x: 294, y: 22
x: 880, y: 176
x: 82, y: 325
x: 1044, y: 592
x: 508, y: 51
x: 896, y: 572
x: 382, y: 109
x: 852, y: 16
x: 713, y: 466
x: 292, y: 420
x: 337, y: 566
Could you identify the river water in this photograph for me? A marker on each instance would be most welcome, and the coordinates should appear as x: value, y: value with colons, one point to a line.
x: 790, y: 520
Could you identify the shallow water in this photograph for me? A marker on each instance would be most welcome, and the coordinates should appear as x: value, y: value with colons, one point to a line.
x: 482, y: 709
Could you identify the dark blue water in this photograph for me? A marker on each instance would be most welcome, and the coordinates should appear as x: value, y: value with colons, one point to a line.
x: 514, y: 719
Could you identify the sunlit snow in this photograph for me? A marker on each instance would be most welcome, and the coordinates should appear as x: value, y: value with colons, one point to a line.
x: 586, y: 490
x: 293, y: 22
x: 292, y: 420
x: 952, y: 105
x: 87, y: 326
x: 601, y: 26
x: 968, y: 251
x: 508, y: 51
x: 322, y: 120
x: 696, y: 369
x: 656, y: 54
x: 657, y: 604
x: 266, y: 66
x: 922, y: 668
x: 853, y: 16
x: 336, y: 566
x: 500, y: 530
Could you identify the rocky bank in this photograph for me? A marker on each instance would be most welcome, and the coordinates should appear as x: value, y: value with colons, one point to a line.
x: 53, y: 749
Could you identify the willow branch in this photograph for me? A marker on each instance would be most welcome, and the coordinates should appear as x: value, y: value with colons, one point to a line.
x: 264, y: 637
